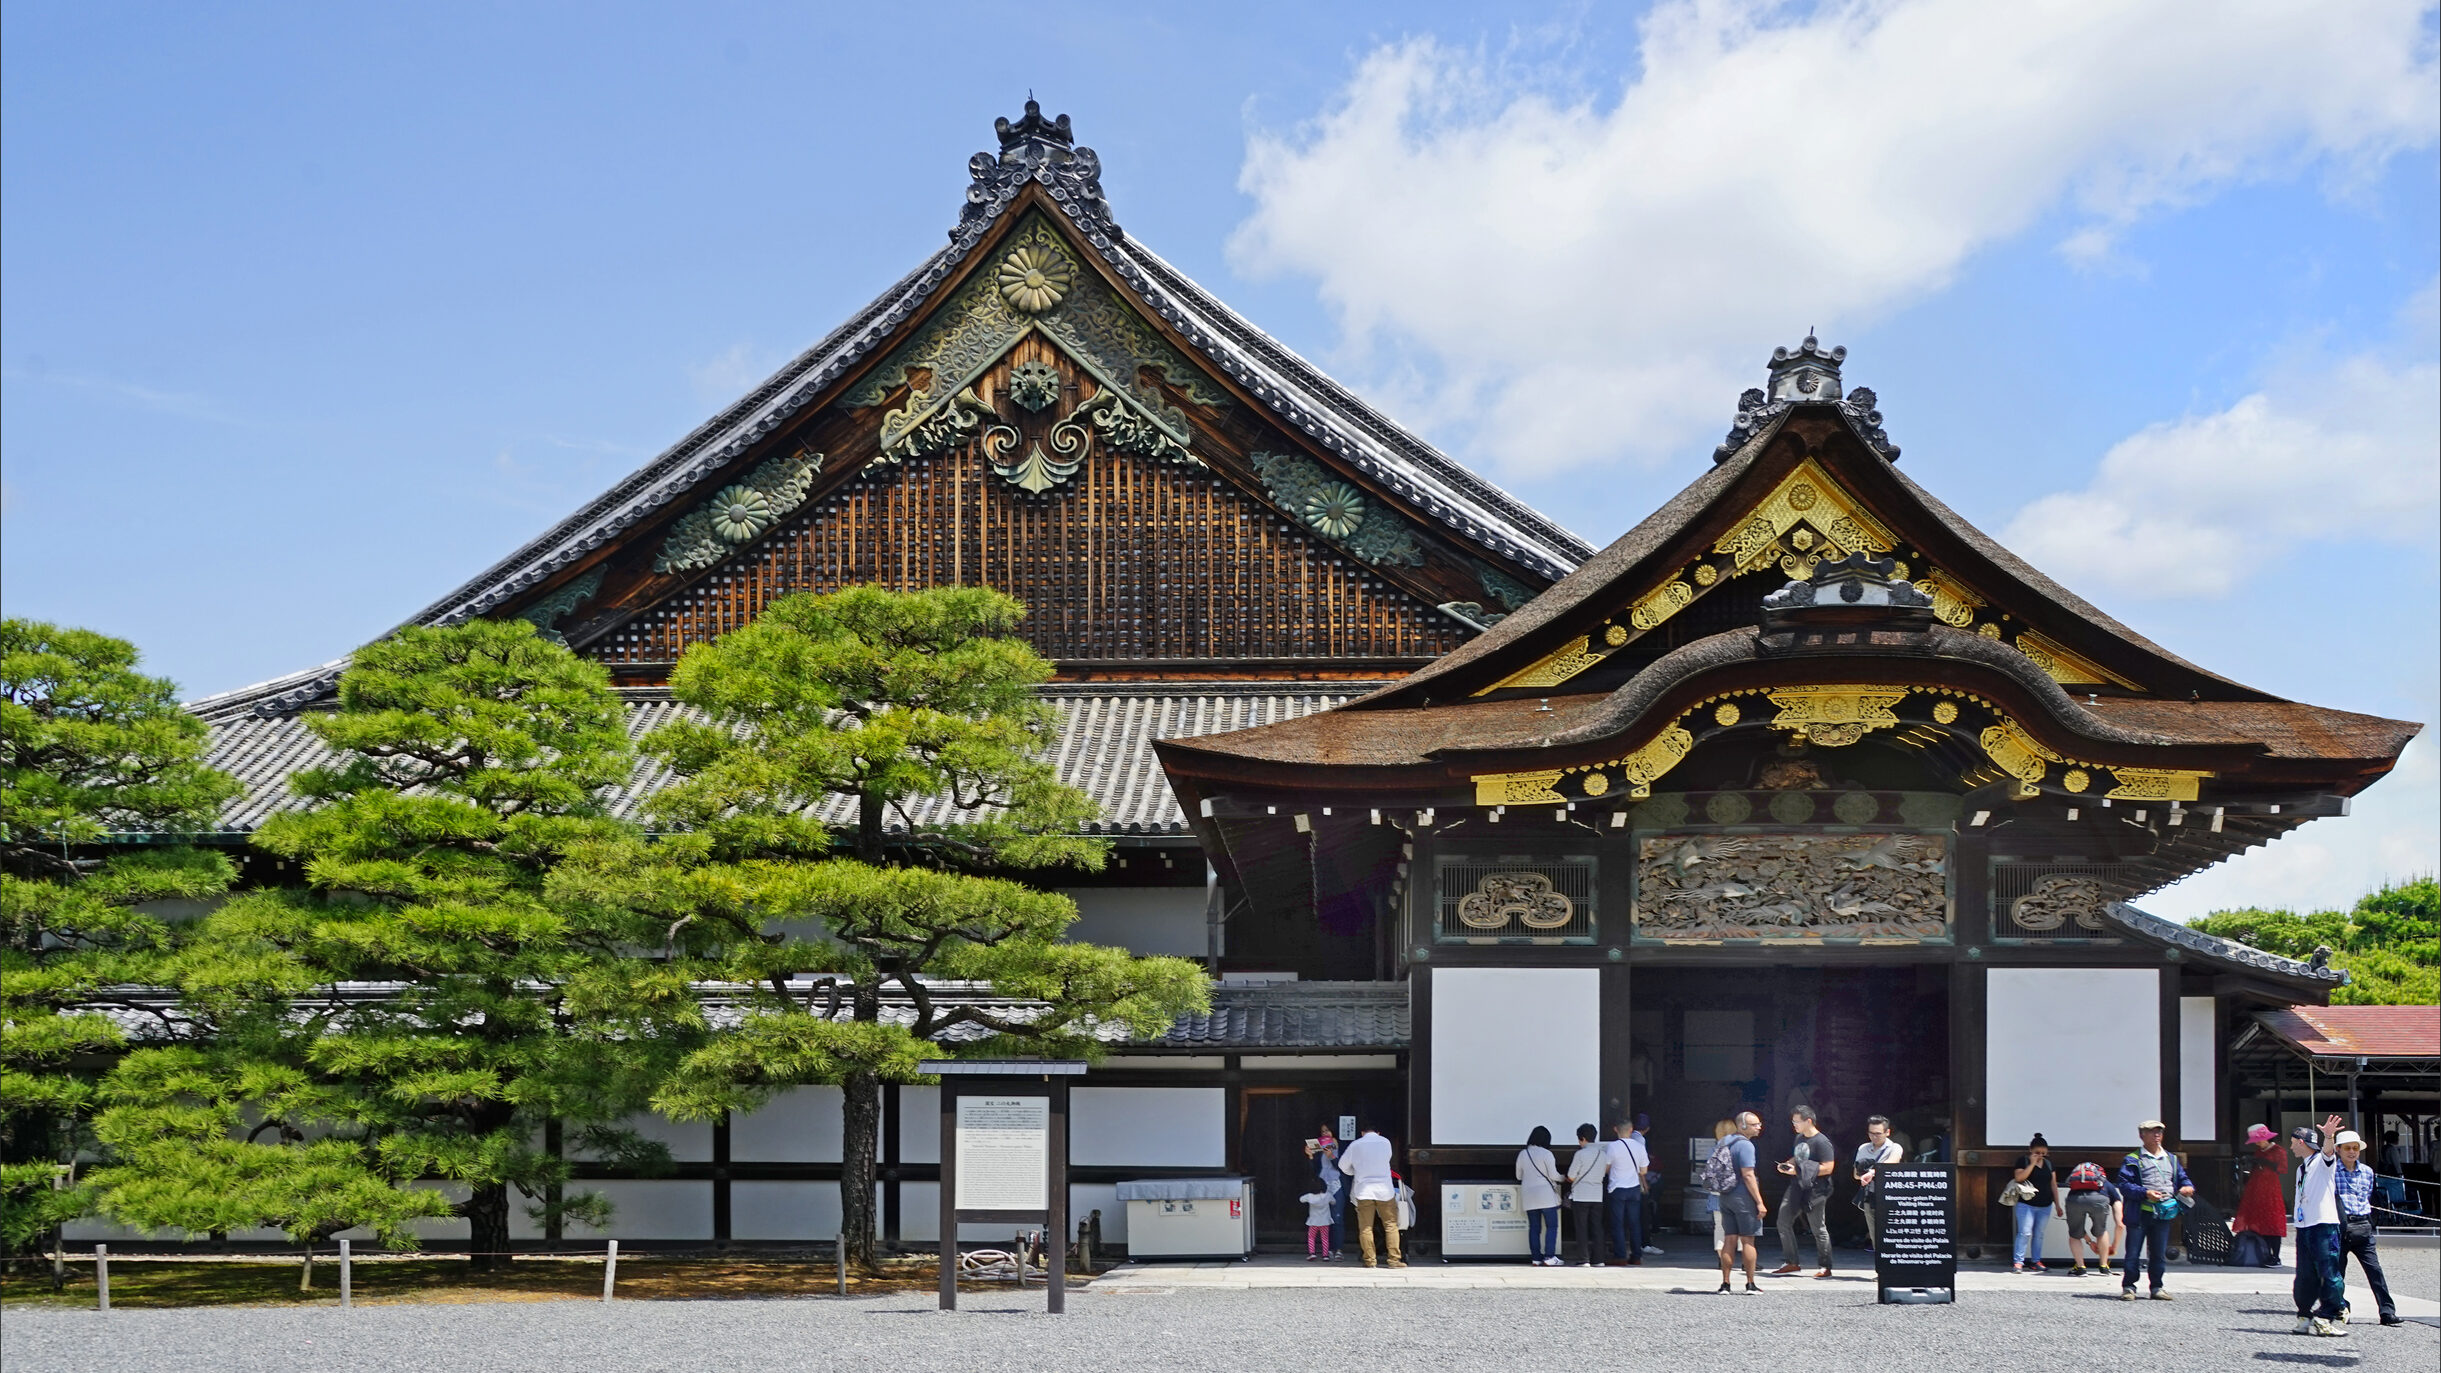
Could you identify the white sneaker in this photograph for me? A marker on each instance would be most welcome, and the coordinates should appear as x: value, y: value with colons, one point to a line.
x: 2331, y: 1330
x: 1652, y: 1248
x: 2304, y: 1326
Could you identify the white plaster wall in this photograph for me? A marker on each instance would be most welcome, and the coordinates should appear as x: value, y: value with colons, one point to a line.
x: 919, y: 1125
x: 2199, y: 1082
x: 1146, y: 1127
x: 689, y: 1141
x: 1513, y: 1048
x: 805, y: 1212
x: 1145, y: 920
x: 800, y: 1125
x: 655, y: 1209
x: 2071, y: 1053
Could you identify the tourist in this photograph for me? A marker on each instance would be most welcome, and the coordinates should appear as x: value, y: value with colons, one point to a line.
x: 1538, y: 1184
x: 1730, y: 1176
x: 1624, y: 1202
x: 1808, y: 1198
x: 1878, y: 1149
x: 1651, y: 1191
x: 1374, y: 1191
x: 1324, y: 1150
x: 1721, y: 1129
x: 2093, y: 1209
x: 2039, y: 1192
x: 2352, y: 1183
x: 1318, y: 1208
x: 1586, y: 1173
x: 2157, y: 1183
x: 2262, y: 1218
x: 2320, y: 1290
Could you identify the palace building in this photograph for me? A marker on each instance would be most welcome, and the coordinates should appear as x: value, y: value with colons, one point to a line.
x: 1802, y: 790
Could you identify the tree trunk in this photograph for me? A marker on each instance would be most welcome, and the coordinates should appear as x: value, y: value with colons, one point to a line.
x: 868, y: 827
x: 305, y: 1275
x: 487, y: 1220
x: 860, y: 1133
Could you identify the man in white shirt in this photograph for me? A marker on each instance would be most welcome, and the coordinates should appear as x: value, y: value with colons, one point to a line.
x: 2319, y: 1291
x: 1375, y: 1192
x: 1626, y: 1164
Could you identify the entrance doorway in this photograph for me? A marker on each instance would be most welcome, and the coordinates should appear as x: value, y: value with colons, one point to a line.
x: 1707, y: 1043
x: 1275, y: 1120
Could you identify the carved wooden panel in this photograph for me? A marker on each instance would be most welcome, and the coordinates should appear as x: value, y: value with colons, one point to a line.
x: 1128, y: 557
x: 1802, y: 888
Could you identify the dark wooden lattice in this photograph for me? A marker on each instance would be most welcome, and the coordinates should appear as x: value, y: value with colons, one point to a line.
x: 1132, y: 558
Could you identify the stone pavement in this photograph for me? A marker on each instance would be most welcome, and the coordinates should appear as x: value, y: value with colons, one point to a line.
x: 1672, y: 1273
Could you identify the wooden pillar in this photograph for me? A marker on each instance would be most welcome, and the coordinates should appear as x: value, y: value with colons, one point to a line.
x: 1618, y: 1047
x: 1056, y: 1242
x: 949, y: 1194
x: 892, y: 1154
x: 2173, y: 1050
x: 720, y: 1181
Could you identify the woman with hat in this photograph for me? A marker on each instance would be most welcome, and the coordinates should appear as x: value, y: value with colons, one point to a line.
x: 2262, y: 1219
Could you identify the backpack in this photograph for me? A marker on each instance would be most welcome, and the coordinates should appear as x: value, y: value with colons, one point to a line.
x: 1720, y: 1168
x: 2085, y: 1177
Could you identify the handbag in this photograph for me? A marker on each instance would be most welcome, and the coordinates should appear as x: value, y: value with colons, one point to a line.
x: 2016, y: 1192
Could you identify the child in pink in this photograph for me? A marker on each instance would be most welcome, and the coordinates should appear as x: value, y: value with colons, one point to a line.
x: 1317, y: 1225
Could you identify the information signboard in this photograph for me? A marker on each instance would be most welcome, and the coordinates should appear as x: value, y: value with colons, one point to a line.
x: 1004, y: 1153
x: 1917, y: 1259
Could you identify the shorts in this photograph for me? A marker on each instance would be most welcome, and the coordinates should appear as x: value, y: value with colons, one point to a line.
x: 2088, y: 1216
x: 1738, y: 1216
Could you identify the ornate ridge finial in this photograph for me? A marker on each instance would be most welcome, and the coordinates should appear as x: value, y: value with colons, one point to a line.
x: 1033, y: 148
x: 1805, y: 375
x: 1034, y: 128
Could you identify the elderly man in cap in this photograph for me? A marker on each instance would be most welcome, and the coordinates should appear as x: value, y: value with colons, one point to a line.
x: 2153, y: 1185
x: 2352, y: 1184
x: 2320, y: 1291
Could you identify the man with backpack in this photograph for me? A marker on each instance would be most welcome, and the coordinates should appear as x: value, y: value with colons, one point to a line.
x: 1729, y: 1174
x: 2157, y: 1184
x: 2094, y: 1211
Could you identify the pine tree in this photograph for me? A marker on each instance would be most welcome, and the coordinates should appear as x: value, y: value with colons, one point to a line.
x: 420, y: 997
x: 879, y: 706
x: 89, y: 747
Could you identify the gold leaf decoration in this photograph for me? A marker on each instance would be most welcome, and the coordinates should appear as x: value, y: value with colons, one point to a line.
x: 1519, y: 789
x: 2155, y: 784
x: 1665, y: 601
x: 1033, y: 280
x: 1835, y: 716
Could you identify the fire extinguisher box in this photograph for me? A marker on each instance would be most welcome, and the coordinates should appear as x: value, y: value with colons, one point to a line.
x: 1183, y: 1218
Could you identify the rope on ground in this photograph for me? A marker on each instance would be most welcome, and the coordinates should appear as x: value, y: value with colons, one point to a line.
x: 994, y: 1263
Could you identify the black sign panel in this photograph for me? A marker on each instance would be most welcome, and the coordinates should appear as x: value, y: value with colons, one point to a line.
x: 1917, y: 1259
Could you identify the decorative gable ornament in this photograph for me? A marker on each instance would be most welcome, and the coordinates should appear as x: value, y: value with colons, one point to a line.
x: 740, y: 514
x: 1807, y: 374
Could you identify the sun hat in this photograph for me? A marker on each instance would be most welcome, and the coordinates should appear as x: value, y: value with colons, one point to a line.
x: 2256, y: 1134
x: 2348, y: 1137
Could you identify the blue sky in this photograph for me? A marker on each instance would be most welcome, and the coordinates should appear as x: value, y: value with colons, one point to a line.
x: 307, y: 312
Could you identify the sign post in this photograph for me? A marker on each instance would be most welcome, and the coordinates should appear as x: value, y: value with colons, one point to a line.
x: 1917, y: 1258
x: 1004, y: 1157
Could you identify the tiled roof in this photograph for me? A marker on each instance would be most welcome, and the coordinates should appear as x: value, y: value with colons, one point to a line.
x: 2359, y: 1031
x: 1297, y: 394
x: 1104, y: 749
x: 1299, y: 1015
x: 1267, y: 1016
x: 2146, y: 925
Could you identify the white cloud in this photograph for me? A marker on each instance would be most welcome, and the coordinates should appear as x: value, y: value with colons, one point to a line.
x: 2350, y: 449
x: 1537, y: 266
x: 727, y: 375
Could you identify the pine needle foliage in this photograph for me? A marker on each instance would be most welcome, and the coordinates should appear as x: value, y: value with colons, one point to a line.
x: 883, y: 704
x: 89, y: 747
x: 418, y: 998
x: 2389, y: 943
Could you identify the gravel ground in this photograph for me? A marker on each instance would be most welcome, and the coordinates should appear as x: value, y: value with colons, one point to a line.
x: 1175, y: 1332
